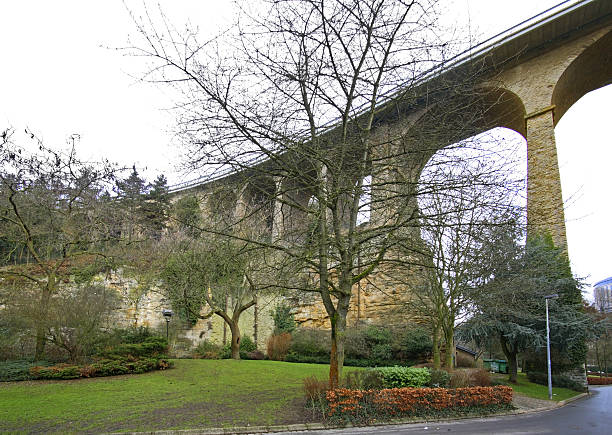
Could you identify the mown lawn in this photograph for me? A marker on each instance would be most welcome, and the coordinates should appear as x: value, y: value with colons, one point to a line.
x: 538, y: 391
x: 196, y: 393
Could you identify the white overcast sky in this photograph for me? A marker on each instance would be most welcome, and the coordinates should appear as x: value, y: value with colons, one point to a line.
x: 58, y: 77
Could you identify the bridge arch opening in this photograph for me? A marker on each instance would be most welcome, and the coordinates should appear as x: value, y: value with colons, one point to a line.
x: 591, y: 70
x: 486, y: 171
x: 583, y: 144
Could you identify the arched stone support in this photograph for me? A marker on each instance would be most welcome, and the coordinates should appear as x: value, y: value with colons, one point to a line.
x: 544, y: 199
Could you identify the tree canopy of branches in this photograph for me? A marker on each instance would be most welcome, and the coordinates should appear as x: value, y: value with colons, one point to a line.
x: 480, y: 203
x: 55, y: 217
x: 511, y: 307
x: 294, y: 101
x: 211, y: 275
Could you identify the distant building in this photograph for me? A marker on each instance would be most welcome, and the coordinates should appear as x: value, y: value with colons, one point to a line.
x: 603, y: 295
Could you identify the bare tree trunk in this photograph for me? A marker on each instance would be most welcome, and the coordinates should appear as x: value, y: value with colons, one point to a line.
x: 450, y: 348
x: 338, y: 334
x: 436, y: 347
x: 255, y: 321
x: 235, y: 339
x: 41, y: 321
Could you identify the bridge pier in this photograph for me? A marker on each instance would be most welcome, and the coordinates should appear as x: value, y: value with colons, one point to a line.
x: 545, y: 211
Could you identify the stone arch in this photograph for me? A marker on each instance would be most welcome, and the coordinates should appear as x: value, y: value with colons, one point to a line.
x: 591, y: 70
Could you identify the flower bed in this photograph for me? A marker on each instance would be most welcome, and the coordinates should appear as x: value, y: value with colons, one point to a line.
x: 359, y: 406
x: 592, y: 380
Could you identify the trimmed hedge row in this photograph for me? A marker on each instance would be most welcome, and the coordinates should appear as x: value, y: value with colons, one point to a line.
x: 105, y: 367
x: 359, y: 406
x: 592, y: 380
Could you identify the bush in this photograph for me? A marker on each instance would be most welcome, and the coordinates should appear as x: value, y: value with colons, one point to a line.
x: 246, y: 345
x: 465, y: 361
x: 460, y: 379
x: 207, y: 350
x: 59, y: 371
x: 416, y: 343
x: 480, y: 378
x: 18, y: 370
x: 363, y: 380
x: 132, y: 335
x: 400, y: 377
x: 278, y: 346
x: 256, y: 355
x: 557, y: 381
x: 315, y: 389
x: 150, y: 347
x: 308, y: 359
x: 310, y: 342
x: 592, y: 380
x: 439, y: 378
x: 283, y: 320
x: 358, y: 406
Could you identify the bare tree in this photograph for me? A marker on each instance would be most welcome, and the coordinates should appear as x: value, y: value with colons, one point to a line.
x: 295, y: 101
x: 55, y: 216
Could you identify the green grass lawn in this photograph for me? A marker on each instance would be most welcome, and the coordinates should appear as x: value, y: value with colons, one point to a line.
x: 196, y: 393
x: 538, y: 391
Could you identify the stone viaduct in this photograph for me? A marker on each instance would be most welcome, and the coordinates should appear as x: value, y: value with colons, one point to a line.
x: 534, y: 73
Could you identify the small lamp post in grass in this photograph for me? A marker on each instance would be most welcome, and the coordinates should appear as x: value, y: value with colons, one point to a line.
x: 548, y: 345
x: 167, y: 314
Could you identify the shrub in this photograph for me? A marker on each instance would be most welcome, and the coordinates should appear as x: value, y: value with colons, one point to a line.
x: 399, y: 377
x: 465, y: 361
x: 599, y: 381
x: 557, y: 381
x: 415, y: 343
x: 256, y: 355
x: 480, y: 378
x: 207, y: 350
x: 378, y: 335
x: 460, y: 379
x: 439, y: 378
x: 283, y: 319
x: 151, y: 346
x: 310, y: 342
x: 358, y: 406
x: 132, y: 335
x: 18, y: 370
x: 315, y: 389
x: 363, y: 380
x: 246, y: 345
x: 59, y: 371
x: 278, y: 346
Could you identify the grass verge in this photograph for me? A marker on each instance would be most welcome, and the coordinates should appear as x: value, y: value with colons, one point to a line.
x: 537, y: 391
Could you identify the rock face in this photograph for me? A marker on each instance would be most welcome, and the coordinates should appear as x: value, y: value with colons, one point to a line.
x: 142, y: 306
x: 381, y: 299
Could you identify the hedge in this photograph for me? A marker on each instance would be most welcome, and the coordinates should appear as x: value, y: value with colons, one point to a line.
x: 364, y: 406
x: 105, y: 367
x: 400, y: 377
x: 592, y: 380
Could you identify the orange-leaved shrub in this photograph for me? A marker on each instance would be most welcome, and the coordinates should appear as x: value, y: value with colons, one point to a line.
x: 599, y: 381
x: 278, y: 346
x: 366, y: 405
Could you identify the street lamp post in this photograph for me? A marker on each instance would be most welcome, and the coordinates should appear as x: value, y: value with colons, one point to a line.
x: 167, y: 314
x: 548, y: 345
